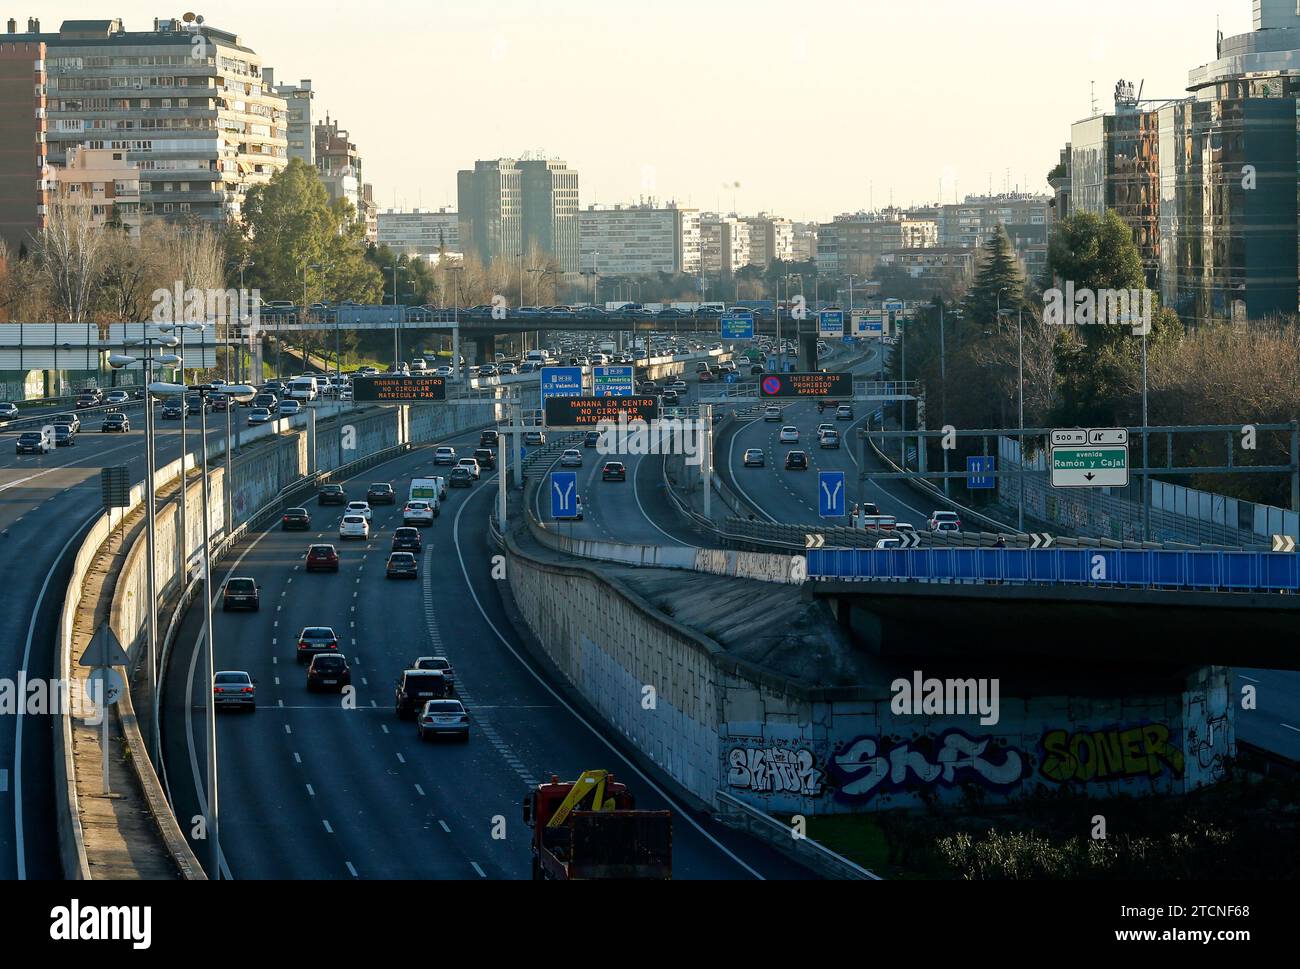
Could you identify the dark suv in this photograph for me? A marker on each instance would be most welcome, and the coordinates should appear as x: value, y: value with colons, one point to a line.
x: 417, y: 687
x: 328, y: 671
x: 381, y: 493
x: 332, y: 494
x: 488, y: 439
x: 485, y: 457
x: 241, y: 594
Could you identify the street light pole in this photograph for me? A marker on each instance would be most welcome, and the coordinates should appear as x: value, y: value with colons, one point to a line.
x: 1020, y: 375
x: 210, y: 712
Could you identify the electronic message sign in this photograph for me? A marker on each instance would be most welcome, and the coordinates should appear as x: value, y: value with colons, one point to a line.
x: 590, y: 411
x: 397, y: 388
x: 806, y: 385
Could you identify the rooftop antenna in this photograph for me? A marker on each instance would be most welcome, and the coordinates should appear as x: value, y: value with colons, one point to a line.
x: 1092, y: 89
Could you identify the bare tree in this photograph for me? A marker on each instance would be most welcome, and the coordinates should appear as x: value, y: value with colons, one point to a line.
x: 70, y: 253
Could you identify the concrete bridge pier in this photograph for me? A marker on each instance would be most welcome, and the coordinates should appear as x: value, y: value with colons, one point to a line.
x: 807, y: 349
x: 484, y: 348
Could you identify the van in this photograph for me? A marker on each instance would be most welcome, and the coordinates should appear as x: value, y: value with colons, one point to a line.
x: 432, y: 490
x: 303, y: 388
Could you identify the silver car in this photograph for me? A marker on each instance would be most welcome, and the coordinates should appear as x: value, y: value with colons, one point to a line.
x: 441, y: 717
x: 572, y: 458
x: 234, y: 688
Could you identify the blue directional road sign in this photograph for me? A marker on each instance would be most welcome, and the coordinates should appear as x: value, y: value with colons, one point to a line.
x: 561, y: 382
x: 979, y: 473
x: 830, y: 323
x: 564, y: 494
x: 612, y: 382
x: 730, y: 378
x: 738, y: 326
x: 830, y: 493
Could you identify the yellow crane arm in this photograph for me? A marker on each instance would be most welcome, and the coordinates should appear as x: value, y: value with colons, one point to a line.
x: 590, y: 784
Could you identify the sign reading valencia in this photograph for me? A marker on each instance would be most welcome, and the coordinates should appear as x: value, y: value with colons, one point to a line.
x: 837, y: 385
x: 590, y: 411
x: 397, y: 388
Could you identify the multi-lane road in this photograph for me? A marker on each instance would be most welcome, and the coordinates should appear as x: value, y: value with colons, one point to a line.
x: 312, y: 788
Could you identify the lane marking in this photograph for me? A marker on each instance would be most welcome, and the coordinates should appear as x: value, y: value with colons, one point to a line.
x: 481, y: 873
x: 352, y: 870
x: 328, y: 829
x: 444, y: 825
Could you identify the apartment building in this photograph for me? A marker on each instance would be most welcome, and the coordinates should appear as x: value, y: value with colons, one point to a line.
x: 299, y: 101
x: 24, y: 177
x: 185, y: 101
x: 510, y: 206
x: 1023, y: 216
x: 550, y: 210
x: 105, y: 183
x: 724, y: 243
x: 640, y: 239
x: 770, y: 239
x: 853, y: 243
x: 418, y: 232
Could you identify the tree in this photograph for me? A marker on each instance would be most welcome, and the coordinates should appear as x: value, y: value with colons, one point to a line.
x: 70, y: 252
x: 290, y: 225
x: 998, y: 283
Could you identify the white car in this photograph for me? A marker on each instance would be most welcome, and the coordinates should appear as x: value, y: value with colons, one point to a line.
x: 572, y: 458
x: 418, y: 511
x: 789, y: 434
x: 444, y: 455
x: 678, y: 385
x: 290, y: 407
x: 443, y: 371
x: 534, y: 437
x: 823, y: 428
x: 889, y: 543
x: 354, y: 526
x: 772, y: 414
x: 259, y: 415
x: 361, y: 508
x: 944, y: 521
x: 470, y: 464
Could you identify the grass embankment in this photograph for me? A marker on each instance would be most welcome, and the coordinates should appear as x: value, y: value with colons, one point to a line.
x: 1245, y: 827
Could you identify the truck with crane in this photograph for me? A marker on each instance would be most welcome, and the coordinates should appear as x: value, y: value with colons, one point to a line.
x: 590, y: 829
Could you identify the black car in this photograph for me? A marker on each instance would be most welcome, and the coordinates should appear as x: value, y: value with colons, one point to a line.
x: 591, y: 439
x: 115, y: 422
x: 485, y: 457
x: 331, y: 494
x: 269, y: 401
x: 381, y: 493
x: 172, y: 409
x: 613, y: 471
x: 796, y: 461
x: 329, y: 671
x: 295, y: 519
x: 87, y: 400
x: 407, y: 539
x: 316, y: 639
x: 416, y: 688
x: 461, y: 478
x: 31, y: 442
x: 194, y: 405
x: 219, y: 402
x: 64, y: 436
x: 488, y: 439
x: 241, y: 594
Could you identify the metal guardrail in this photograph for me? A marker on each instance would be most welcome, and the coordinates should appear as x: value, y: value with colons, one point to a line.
x: 1160, y: 569
x: 735, y: 813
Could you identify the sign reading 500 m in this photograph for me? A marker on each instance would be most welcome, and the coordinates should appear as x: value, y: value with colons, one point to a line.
x: 806, y: 385
x: 400, y: 389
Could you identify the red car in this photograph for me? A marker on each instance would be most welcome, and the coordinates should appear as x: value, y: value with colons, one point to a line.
x: 322, y: 558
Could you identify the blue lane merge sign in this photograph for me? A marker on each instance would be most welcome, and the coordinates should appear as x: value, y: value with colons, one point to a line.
x: 979, y: 473
x: 564, y: 494
x: 830, y: 494
x: 612, y: 382
x: 561, y: 382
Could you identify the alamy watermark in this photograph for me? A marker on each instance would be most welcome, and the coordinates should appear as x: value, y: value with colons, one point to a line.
x: 226, y: 306
x: 952, y: 697
x: 668, y: 435
x: 1103, y: 307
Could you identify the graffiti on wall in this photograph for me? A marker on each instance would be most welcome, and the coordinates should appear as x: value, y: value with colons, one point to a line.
x: 1202, y: 746
x: 1117, y: 753
x: 867, y: 766
x: 774, y: 770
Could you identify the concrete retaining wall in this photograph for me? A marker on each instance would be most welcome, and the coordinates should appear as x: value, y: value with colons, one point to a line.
x: 719, y: 724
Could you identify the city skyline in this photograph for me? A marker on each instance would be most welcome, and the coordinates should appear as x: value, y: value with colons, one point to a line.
x: 630, y: 135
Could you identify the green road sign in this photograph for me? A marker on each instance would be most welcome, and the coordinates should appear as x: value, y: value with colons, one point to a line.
x: 1086, y: 466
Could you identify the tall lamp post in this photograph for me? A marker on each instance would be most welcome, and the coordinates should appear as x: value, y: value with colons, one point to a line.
x: 455, y: 321
x: 149, y: 358
x: 183, y: 545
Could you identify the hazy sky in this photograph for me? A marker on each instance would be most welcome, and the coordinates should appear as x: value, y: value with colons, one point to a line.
x: 814, y: 107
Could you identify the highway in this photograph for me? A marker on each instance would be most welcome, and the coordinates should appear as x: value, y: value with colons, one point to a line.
x: 46, y: 504
x: 311, y: 790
